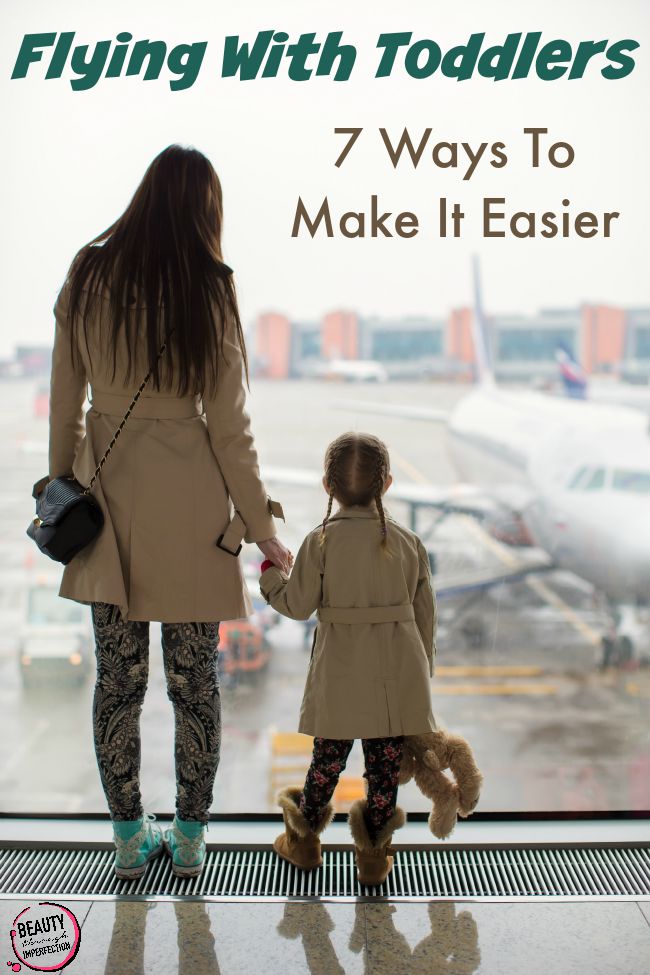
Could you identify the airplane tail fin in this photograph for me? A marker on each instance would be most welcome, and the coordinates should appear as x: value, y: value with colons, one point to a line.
x: 572, y: 374
x: 480, y: 332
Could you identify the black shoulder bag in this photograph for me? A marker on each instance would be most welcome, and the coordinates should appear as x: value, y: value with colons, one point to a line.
x: 68, y: 517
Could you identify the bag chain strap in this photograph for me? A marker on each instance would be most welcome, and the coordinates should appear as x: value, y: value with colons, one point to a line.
x: 119, y: 429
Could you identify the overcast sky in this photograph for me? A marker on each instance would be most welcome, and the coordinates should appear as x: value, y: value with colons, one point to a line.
x: 72, y: 159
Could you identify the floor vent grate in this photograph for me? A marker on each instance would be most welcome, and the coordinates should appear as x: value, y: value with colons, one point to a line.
x: 577, y: 871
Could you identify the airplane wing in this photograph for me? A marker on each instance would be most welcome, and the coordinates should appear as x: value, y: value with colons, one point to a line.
x: 455, y: 499
x: 465, y: 499
x: 480, y: 580
x: 387, y: 409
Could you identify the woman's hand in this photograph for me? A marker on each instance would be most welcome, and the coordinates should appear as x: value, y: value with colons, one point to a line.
x: 274, y: 550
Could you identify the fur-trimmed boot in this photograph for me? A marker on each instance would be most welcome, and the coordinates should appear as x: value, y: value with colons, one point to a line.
x: 374, y: 860
x: 300, y: 844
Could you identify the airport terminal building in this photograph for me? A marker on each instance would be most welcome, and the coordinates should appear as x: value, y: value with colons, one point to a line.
x: 604, y: 338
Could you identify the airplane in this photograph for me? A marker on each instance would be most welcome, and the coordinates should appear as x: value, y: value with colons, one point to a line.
x: 571, y: 474
x: 577, y: 385
x: 352, y: 370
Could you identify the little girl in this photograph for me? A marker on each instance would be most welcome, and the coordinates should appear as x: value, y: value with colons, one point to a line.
x: 372, y: 655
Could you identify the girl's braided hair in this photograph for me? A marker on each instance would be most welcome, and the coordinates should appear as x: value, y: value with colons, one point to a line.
x: 357, y: 466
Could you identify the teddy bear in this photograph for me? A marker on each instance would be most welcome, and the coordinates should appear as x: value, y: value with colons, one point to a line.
x: 424, y: 759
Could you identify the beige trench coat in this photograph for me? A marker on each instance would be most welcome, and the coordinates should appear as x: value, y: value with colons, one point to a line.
x: 170, y: 487
x: 374, y: 646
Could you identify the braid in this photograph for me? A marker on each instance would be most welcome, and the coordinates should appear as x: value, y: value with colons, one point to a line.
x: 384, y: 530
x: 379, y: 479
x: 321, y: 537
x: 333, y: 457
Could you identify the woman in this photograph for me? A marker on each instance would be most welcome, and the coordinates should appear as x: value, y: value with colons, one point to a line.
x: 186, y: 456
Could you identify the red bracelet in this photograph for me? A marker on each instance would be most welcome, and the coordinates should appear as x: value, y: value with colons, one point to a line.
x: 266, y: 564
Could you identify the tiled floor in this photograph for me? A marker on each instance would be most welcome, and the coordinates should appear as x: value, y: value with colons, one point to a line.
x: 451, y: 937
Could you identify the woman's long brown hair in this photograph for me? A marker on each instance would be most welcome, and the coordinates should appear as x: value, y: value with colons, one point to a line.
x: 164, y: 250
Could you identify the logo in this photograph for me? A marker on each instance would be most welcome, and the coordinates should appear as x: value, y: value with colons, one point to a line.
x: 45, y: 938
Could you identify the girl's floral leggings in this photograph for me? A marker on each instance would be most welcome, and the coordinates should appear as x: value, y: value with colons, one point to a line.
x: 190, y: 660
x: 382, y: 756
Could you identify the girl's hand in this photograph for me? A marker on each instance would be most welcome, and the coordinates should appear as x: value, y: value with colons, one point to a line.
x: 274, y: 550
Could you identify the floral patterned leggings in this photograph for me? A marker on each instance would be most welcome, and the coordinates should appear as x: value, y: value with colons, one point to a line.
x: 382, y: 756
x: 190, y: 660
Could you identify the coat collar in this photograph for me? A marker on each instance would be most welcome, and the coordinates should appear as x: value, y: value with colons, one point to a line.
x: 358, y: 511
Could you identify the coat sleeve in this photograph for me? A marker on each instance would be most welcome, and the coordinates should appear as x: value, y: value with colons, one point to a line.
x: 67, y: 394
x: 424, y: 605
x: 233, y: 444
x: 297, y: 595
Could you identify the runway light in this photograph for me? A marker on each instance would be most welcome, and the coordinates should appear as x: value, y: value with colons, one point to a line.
x: 75, y: 659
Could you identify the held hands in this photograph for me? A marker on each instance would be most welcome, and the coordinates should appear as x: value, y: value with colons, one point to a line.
x: 275, y: 551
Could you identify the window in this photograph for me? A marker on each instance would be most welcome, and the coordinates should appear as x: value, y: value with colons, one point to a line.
x: 596, y: 480
x: 642, y: 334
x: 485, y: 636
x: 405, y: 344
x: 637, y: 482
x: 577, y: 478
x: 522, y: 661
x: 532, y: 343
x: 310, y: 344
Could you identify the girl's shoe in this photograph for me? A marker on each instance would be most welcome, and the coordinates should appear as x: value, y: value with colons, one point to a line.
x: 374, y: 858
x: 300, y: 844
x: 137, y: 841
x: 185, y: 843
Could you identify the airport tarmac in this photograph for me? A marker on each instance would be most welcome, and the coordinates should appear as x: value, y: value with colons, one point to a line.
x: 563, y: 734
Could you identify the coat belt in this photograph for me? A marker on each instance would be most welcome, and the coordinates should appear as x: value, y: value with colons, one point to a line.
x: 147, y: 407
x: 366, y: 614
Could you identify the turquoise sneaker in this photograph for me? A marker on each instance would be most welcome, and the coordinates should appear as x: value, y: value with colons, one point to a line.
x: 137, y: 841
x: 184, y: 841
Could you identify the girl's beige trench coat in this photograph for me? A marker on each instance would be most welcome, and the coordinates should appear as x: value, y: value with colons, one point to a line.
x: 374, y: 647
x: 179, y: 471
